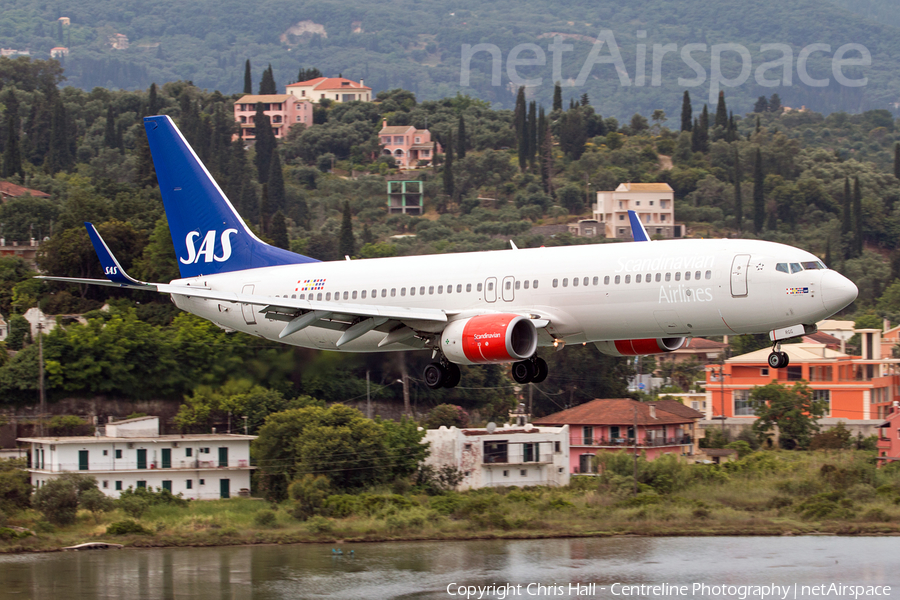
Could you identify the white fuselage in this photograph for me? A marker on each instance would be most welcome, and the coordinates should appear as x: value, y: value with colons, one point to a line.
x: 624, y: 291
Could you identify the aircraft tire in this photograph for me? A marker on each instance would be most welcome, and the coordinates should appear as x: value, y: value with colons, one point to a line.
x: 540, y: 370
x: 523, y: 371
x: 434, y: 375
x: 451, y: 380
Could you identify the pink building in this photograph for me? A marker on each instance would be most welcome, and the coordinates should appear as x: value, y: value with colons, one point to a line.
x: 609, y: 426
x: 407, y: 144
x: 284, y: 111
x: 889, y: 436
x: 336, y: 89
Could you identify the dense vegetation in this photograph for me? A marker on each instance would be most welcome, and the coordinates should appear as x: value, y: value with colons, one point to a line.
x: 763, y: 493
x: 418, y: 45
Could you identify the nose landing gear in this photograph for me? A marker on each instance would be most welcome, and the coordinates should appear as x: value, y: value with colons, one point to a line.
x: 777, y: 358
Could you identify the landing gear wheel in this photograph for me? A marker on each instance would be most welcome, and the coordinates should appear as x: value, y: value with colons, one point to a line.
x: 778, y: 360
x: 434, y: 375
x: 451, y: 379
x: 540, y: 370
x: 523, y: 371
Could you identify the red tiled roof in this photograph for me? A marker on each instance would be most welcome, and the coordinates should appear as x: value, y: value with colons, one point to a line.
x: 704, y: 344
x: 498, y: 431
x: 331, y: 83
x: 820, y: 337
x: 11, y: 189
x: 612, y: 412
x: 677, y: 408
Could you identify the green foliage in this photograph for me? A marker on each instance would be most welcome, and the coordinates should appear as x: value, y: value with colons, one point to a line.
x: 447, y: 415
x: 133, y: 506
x: 15, y: 485
x: 57, y: 500
x: 127, y: 527
x: 265, y: 518
x: 96, y: 502
x: 791, y: 408
x: 309, y: 494
x: 836, y: 438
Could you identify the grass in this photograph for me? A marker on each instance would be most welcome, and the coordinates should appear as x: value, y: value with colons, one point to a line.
x: 766, y: 493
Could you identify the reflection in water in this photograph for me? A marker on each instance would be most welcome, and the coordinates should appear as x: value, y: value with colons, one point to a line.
x: 423, y: 570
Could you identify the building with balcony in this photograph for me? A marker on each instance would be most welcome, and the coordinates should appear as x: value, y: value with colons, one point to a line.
x: 407, y: 144
x: 654, y: 204
x: 283, y: 110
x: 512, y: 455
x: 854, y: 388
x: 132, y: 453
x: 889, y: 436
x: 609, y: 425
x: 335, y: 89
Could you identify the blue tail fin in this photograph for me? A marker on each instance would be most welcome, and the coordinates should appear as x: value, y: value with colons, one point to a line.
x: 209, y: 235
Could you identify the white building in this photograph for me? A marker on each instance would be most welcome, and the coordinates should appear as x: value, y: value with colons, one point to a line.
x: 513, y: 455
x: 653, y: 202
x: 132, y: 453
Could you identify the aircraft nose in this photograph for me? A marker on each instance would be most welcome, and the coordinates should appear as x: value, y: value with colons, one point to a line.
x: 837, y: 291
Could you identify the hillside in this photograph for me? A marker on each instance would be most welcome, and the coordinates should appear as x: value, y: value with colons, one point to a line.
x: 418, y: 45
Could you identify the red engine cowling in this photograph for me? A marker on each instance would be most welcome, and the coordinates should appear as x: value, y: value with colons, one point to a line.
x: 640, y: 347
x: 492, y: 338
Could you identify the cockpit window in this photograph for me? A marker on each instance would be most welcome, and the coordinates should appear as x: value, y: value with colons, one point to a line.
x: 796, y: 268
x: 813, y: 264
x: 783, y: 267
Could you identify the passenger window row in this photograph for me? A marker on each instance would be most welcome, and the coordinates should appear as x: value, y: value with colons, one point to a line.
x: 411, y: 291
x: 648, y: 278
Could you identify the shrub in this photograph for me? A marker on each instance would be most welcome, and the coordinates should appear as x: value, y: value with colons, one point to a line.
x: 309, y: 494
x: 448, y: 415
x: 319, y: 524
x: 446, y: 504
x: 828, y: 505
x: 341, y: 505
x: 127, y: 527
x: 57, y: 500
x: 265, y: 518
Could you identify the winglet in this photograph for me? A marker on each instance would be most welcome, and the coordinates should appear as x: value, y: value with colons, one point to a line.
x: 111, y: 267
x: 637, y: 228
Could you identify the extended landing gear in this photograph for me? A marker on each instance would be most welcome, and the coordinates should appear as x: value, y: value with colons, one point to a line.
x: 778, y: 359
x: 532, y: 370
x: 438, y: 375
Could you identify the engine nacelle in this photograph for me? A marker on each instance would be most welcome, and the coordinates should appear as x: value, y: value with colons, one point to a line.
x: 640, y: 347
x: 487, y: 339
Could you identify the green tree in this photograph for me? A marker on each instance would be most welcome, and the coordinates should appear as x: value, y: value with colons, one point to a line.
x: 276, y: 195
x: 759, y: 197
x: 461, y: 140
x: 15, y: 486
x: 557, y: 96
x: 687, y: 111
x: 248, y: 79
x: 447, y: 415
x: 738, y: 201
x: 279, y: 232
x: 857, y: 218
x: 520, y: 117
x: 721, y: 111
x: 448, y: 167
x: 309, y: 493
x: 265, y: 143
x: 897, y: 160
x: 267, y: 85
x: 96, y: 502
x: 792, y: 409
x: 58, y: 499
x: 762, y: 105
x: 347, y: 243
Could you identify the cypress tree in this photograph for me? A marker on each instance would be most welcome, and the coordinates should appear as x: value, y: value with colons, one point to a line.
x: 12, y: 157
x: 145, y: 173
x: 738, y: 201
x: 461, y: 138
x: 531, y: 133
x: 346, y: 243
x: 541, y: 136
x: 267, y: 85
x: 448, y: 166
x: 695, y: 137
x: 759, y: 199
x: 557, y: 96
x: 584, y: 99
x: 521, y: 121
x: 275, y: 184
x: 758, y: 126
x: 846, y: 222
x: 58, y: 156
x: 109, y: 131
x: 153, y: 103
x: 857, y: 218
x: 704, y: 130
x: 687, y: 113
x: 248, y: 80
x: 547, y: 159
x: 264, y: 209
x: 721, y: 111
x: 775, y: 103
x: 265, y: 143
x: 279, y: 232
x: 762, y: 105
x: 897, y: 160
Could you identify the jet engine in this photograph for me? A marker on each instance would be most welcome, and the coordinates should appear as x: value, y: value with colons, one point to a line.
x: 490, y: 338
x: 640, y: 347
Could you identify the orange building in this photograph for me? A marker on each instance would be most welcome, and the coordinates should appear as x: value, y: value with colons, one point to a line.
x: 854, y: 387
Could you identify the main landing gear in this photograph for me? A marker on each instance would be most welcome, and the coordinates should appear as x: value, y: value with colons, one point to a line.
x: 441, y: 374
x: 532, y: 370
x: 778, y: 359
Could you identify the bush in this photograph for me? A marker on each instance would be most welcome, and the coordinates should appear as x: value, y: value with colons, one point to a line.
x: 127, y: 527
x: 265, y: 518
x: 319, y: 524
x: 133, y: 506
x: 57, y: 500
x: 448, y: 415
x: 309, y: 494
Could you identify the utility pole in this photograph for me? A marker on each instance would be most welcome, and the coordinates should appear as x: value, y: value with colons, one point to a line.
x: 404, y: 378
x: 40, y: 328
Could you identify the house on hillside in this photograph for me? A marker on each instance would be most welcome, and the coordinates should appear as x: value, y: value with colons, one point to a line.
x: 407, y: 144
x: 283, y: 110
x: 511, y: 455
x: 609, y: 425
x: 889, y: 436
x: 335, y: 89
x: 654, y: 204
x: 11, y: 190
x: 132, y: 453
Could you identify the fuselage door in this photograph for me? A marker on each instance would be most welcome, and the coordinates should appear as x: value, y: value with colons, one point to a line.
x: 508, y: 292
x: 247, y: 309
x: 490, y: 289
x: 739, y: 275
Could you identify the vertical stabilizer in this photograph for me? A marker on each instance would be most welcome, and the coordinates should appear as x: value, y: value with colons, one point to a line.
x: 209, y: 235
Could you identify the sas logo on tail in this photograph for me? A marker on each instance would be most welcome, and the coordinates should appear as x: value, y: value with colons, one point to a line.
x: 207, y: 247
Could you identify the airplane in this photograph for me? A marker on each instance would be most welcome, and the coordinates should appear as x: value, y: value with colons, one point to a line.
x: 496, y: 307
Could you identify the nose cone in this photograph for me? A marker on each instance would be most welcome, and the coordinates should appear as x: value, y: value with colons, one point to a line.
x: 837, y: 291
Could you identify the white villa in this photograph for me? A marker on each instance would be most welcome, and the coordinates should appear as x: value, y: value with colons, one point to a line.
x: 512, y: 455
x: 132, y: 453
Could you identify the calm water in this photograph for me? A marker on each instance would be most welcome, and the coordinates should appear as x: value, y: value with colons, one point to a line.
x: 424, y: 570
